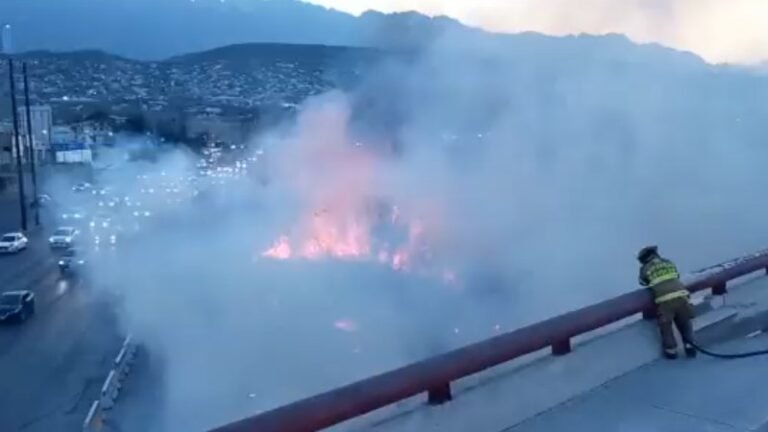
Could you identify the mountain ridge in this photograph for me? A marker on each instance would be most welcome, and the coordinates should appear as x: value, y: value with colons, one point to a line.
x: 158, y: 30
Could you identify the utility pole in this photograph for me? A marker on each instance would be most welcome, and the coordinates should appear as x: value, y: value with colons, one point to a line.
x: 31, y: 145
x: 17, y: 146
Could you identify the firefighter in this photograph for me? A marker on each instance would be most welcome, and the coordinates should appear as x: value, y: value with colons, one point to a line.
x: 660, y: 275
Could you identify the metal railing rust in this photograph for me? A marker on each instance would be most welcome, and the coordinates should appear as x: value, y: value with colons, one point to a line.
x: 435, y: 375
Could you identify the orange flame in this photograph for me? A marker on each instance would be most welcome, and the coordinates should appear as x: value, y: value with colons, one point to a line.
x: 326, y: 236
x: 335, y: 181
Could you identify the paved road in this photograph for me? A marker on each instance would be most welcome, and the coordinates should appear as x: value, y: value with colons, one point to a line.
x: 24, y: 267
x: 52, y: 366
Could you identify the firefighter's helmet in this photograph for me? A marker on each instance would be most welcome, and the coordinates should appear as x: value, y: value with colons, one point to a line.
x: 647, y: 253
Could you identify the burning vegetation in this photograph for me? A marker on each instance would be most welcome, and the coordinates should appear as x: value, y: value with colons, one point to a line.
x: 372, y: 233
x: 345, y: 210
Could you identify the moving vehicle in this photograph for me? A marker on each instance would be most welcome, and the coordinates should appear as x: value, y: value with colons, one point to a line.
x: 111, y: 202
x: 16, y: 306
x: 108, y: 238
x: 73, y: 214
x: 71, y: 262
x: 40, y: 201
x: 63, y: 237
x: 100, y: 191
x: 81, y: 187
x: 13, y: 242
x: 101, y: 220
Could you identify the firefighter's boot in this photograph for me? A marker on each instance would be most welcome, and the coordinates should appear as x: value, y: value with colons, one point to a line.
x: 670, y: 354
x: 690, y: 351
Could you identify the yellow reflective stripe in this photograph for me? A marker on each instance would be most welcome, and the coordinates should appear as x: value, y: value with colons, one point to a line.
x: 663, y: 278
x: 660, y: 272
x: 672, y: 296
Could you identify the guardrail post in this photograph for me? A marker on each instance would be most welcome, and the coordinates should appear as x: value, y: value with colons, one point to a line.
x: 439, y: 395
x: 562, y: 347
x: 719, y: 289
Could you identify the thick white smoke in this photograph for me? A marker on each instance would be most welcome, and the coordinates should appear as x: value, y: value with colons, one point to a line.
x: 536, y: 176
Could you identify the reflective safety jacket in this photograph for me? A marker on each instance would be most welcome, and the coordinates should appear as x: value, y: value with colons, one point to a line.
x: 663, y: 279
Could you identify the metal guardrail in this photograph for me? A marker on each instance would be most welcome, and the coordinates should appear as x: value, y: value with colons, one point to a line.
x: 110, y: 390
x: 435, y: 375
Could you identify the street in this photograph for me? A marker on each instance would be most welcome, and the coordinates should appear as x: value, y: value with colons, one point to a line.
x: 52, y: 366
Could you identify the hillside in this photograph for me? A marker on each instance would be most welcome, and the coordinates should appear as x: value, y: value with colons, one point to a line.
x: 234, y: 79
x: 570, y: 81
x: 158, y: 29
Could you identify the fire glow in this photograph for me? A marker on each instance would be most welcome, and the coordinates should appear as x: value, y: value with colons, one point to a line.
x: 347, y: 195
x: 325, y: 235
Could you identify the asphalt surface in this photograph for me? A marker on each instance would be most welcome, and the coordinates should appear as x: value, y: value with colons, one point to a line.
x: 53, y: 365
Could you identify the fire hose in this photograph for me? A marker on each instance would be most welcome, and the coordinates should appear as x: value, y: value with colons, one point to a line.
x: 728, y: 356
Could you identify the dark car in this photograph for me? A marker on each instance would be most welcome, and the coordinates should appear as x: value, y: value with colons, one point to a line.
x: 71, y: 262
x: 16, y: 306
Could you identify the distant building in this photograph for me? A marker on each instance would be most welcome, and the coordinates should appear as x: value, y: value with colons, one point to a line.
x: 72, y: 152
x: 93, y: 133
x: 42, y: 127
x: 6, y: 41
x: 62, y: 134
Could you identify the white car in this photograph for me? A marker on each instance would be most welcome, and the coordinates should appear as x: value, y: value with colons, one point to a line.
x: 62, y: 238
x: 13, y: 242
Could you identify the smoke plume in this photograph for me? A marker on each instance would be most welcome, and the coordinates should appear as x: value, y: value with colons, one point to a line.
x: 524, y: 182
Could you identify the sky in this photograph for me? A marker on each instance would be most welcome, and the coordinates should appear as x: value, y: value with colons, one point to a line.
x: 720, y: 31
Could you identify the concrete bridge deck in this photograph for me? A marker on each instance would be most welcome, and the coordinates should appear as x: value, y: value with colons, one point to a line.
x: 615, y: 382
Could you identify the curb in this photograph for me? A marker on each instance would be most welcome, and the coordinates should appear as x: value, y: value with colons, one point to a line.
x: 110, y: 390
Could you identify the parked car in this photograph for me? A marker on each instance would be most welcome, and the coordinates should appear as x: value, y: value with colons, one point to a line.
x: 13, y: 242
x: 16, y: 306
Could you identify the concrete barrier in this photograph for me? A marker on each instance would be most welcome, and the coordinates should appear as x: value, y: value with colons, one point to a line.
x: 108, y: 391
x: 93, y: 421
x: 111, y: 388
